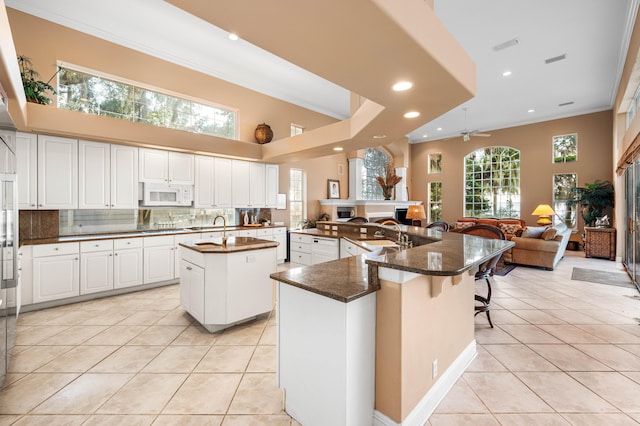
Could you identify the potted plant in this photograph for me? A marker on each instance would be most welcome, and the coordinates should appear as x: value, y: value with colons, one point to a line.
x: 35, y: 90
x: 594, y: 198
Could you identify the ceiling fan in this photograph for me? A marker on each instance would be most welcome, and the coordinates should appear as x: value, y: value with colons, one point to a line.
x: 466, y: 134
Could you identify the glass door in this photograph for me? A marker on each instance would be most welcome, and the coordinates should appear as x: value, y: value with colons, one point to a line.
x: 633, y: 222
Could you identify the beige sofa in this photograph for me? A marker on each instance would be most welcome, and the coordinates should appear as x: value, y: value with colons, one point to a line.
x: 539, y: 246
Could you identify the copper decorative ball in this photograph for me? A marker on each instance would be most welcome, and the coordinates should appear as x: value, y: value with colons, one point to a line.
x: 263, y: 133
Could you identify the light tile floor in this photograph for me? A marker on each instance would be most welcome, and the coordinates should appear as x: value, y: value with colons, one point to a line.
x: 562, y: 352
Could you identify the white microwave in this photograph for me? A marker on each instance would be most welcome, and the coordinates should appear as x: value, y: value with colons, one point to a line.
x: 158, y: 194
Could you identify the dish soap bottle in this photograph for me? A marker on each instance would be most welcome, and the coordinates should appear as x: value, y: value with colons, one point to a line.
x: 246, y: 218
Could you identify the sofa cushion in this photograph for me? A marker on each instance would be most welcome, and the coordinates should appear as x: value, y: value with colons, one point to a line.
x: 549, y: 234
x: 488, y: 221
x: 509, y: 228
x: 462, y: 225
x: 533, y: 231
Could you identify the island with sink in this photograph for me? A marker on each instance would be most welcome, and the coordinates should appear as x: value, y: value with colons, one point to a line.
x: 225, y: 281
x: 380, y: 336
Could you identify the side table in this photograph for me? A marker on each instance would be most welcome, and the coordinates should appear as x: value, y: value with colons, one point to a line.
x: 600, y: 242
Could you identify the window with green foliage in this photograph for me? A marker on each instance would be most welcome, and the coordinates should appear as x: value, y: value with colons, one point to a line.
x: 435, y: 201
x: 563, y: 195
x: 435, y: 163
x: 374, y: 164
x: 565, y: 148
x: 492, y: 182
x: 297, y: 189
x: 94, y: 94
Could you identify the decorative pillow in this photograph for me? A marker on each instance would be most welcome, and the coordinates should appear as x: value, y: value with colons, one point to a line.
x: 549, y: 234
x: 509, y: 228
x: 462, y: 225
x: 533, y: 231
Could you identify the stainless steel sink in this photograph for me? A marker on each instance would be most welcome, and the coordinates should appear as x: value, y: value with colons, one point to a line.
x: 379, y: 243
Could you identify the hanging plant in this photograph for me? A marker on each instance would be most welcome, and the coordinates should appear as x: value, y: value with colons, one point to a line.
x: 35, y: 90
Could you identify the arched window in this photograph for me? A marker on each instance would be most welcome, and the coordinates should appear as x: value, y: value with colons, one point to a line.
x: 492, y: 182
x: 374, y: 164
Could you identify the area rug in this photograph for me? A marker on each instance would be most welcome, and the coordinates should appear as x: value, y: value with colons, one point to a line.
x: 619, y: 279
x: 503, y: 269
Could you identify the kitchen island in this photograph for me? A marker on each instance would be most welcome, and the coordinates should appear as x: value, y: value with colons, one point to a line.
x: 380, y: 338
x: 225, y: 284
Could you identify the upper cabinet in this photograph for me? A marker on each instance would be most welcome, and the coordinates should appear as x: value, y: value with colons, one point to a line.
x: 157, y: 166
x: 124, y: 177
x: 57, y: 173
x: 203, y: 196
x: 255, y: 185
x: 27, y: 165
x: 222, y: 182
x: 272, y: 174
x: 241, y: 183
x: 257, y: 188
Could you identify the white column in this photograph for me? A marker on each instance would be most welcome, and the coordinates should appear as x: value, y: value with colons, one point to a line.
x: 355, y: 178
x: 401, y: 187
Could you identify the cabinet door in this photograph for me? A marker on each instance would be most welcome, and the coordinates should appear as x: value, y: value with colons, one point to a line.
x: 178, y: 250
x: 57, y: 173
x: 27, y: 165
x: 281, y: 252
x: 181, y: 168
x: 257, y: 187
x: 272, y: 184
x: 94, y: 175
x: 203, y: 193
x: 222, y: 182
x: 55, y: 277
x: 127, y: 268
x: 124, y: 177
x: 154, y: 165
x: 192, y: 290
x: 159, y: 264
x: 96, y: 272
x: 241, y: 183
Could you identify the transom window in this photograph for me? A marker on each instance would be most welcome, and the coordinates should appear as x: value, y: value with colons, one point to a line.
x: 93, y: 94
x: 492, y: 182
x: 296, y: 130
x: 374, y: 164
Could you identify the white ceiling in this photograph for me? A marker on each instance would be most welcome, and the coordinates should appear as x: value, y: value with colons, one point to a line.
x: 592, y: 33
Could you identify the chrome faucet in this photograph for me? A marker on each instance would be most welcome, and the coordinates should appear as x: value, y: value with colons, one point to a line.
x: 224, y: 228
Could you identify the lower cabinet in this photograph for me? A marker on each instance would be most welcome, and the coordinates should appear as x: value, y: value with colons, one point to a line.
x: 96, y: 266
x: 177, y: 240
x: 127, y: 262
x: 192, y: 295
x: 159, y: 259
x: 56, y: 271
x: 348, y: 249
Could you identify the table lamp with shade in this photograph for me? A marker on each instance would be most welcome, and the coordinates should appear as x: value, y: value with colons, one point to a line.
x: 416, y: 214
x: 544, y: 211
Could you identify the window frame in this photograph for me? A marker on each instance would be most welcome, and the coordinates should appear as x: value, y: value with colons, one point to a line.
x: 294, y: 201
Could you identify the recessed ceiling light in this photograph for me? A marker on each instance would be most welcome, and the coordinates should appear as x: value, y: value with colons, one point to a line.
x: 379, y: 136
x: 412, y: 114
x: 402, y: 86
x: 506, y: 73
x: 233, y: 37
x: 531, y: 110
x: 439, y: 129
x: 425, y: 136
x: 338, y: 148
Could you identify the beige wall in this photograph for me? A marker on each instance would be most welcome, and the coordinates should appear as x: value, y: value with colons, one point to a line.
x: 536, y: 169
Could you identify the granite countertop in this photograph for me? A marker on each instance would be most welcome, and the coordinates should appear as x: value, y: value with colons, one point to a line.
x: 440, y: 253
x: 138, y: 234
x: 234, y: 244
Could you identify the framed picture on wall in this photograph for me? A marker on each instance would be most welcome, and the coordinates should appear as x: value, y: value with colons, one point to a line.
x: 333, y: 188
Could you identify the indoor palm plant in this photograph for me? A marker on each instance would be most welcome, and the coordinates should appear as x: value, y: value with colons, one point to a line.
x: 35, y: 90
x: 594, y: 198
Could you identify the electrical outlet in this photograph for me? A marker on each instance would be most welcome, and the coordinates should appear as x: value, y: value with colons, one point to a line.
x: 363, y: 230
x: 434, y: 369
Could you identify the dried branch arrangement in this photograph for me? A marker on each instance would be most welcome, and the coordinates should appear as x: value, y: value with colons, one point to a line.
x: 389, y: 181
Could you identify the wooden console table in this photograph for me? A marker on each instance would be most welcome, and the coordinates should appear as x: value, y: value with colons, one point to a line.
x: 600, y: 242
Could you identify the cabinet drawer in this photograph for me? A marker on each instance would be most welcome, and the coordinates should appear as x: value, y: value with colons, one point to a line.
x: 92, y: 246
x: 266, y: 232
x: 301, y: 258
x: 56, y: 249
x: 246, y: 232
x: 164, y: 240
x: 301, y: 238
x: 278, y: 231
x: 127, y: 243
x: 301, y: 247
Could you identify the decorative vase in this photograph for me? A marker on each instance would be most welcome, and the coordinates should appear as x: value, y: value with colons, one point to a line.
x: 263, y: 133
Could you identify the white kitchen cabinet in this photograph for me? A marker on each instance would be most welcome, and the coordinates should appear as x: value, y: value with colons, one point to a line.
x: 94, y: 175
x: 177, y: 239
x: 96, y: 266
x: 246, y: 233
x: 348, y: 249
x: 241, y: 183
x: 127, y: 262
x: 222, y: 182
x: 192, y: 289
x: 204, y: 197
x: 159, y: 259
x: 56, y: 271
x: 300, y: 253
x: 272, y: 173
x: 257, y: 187
x: 57, y: 173
x: 158, y: 166
x: 124, y: 177
x: 324, y: 250
x: 280, y: 235
x: 27, y: 165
